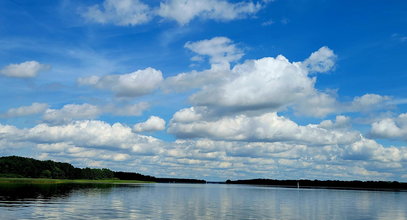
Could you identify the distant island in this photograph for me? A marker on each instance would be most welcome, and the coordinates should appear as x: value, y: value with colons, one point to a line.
x: 22, y: 167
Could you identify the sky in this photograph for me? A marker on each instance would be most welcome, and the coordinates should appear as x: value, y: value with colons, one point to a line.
x: 214, y: 90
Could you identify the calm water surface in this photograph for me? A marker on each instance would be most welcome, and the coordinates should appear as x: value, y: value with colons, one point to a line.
x: 201, y: 201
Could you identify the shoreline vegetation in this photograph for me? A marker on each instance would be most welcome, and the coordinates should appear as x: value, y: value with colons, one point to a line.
x: 63, y: 181
x: 22, y: 170
x: 14, y: 168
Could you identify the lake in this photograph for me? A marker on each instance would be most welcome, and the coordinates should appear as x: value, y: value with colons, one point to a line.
x: 195, y: 201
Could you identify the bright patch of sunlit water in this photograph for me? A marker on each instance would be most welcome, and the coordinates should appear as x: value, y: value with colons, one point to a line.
x: 196, y: 201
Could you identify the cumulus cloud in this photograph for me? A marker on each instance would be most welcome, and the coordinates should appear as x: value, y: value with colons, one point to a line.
x: 95, y: 140
x: 197, y: 79
x: 219, y: 49
x: 322, y: 104
x: 318, y: 104
x: 88, y: 134
x: 34, y: 108
x: 153, y: 123
x: 367, y: 149
x: 27, y: 69
x: 70, y: 150
x: 321, y: 60
x: 265, y: 83
x: 9, y: 132
x: 231, y: 130
x: 368, y: 102
x: 391, y: 128
x: 119, y: 12
x: 341, y: 121
x: 70, y: 113
x: 362, y: 159
x: 270, y: 84
x: 98, y: 143
x: 268, y: 127
x: 191, y: 114
x: 140, y: 82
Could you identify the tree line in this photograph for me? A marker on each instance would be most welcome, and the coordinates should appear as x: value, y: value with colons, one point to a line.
x: 15, y: 166
x: 137, y: 176
x: 355, y: 184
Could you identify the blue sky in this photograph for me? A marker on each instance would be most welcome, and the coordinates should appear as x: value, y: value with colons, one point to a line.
x: 208, y: 89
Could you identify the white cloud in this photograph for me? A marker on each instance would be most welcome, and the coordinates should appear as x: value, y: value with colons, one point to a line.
x: 392, y: 128
x: 73, y: 112
x: 34, y: 108
x: 196, y: 79
x: 153, y: 123
x: 322, y: 104
x: 318, y: 104
x: 265, y: 83
x: 89, y: 134
x: 70, y: 113
x: 27, y: 69
x: 98, y: 143
x: 55, y: 147
x: 361, y: 150
x: 321, y: 61
x: 8, y: 132
x: 362, y: 159
x: 268, y: 127
x: 119, y: 12
x: 367, y: 149
x: 69, y: 150
x: 187, y: 115
x: 340, y: 122
x: 134, y: 84
x: 127, y: 110
x: 234, y: 143
x: 369, y: 102
x: 219, y: 49
x: 183, y: 11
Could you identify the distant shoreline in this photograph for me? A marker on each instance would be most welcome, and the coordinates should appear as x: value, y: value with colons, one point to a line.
x: 6, y: 180
x: 39, y: 181
x: 326, y: 184
x: 328, y: 187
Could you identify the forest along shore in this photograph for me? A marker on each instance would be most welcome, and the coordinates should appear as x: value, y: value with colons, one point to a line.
x: 5, y: 180
x: 22, y: 169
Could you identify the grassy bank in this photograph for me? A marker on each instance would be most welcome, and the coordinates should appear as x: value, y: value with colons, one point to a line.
x: 60, y: 181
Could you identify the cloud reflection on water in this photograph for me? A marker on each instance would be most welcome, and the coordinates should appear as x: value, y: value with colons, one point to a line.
x: 210, y: 201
